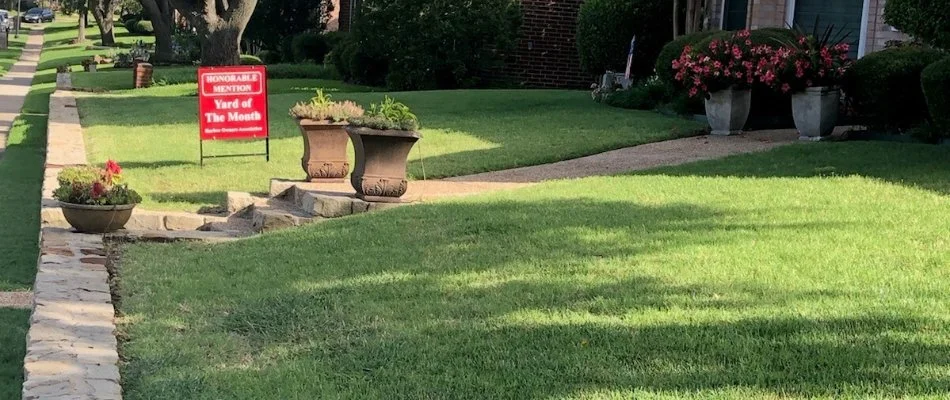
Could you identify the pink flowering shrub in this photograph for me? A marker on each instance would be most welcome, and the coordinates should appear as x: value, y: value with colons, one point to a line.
x: 807, y: 63
x: 723, y: 64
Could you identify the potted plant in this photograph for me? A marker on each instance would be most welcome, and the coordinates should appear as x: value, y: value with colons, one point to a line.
x: 321, y: 122
x: 723, y: 72
x: 382, y: 139
x: 94, y: 200
x: 810, y: 70
x: 89, y: 65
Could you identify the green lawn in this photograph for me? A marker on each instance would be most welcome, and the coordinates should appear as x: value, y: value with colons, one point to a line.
x: 464, y: 132
x: 812, y: 271
x: 21, y: 177
x: 11, y: 55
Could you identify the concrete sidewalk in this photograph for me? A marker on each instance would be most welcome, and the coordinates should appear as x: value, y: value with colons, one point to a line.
x: 15, y: 85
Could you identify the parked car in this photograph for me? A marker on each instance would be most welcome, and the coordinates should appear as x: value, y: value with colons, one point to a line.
x: 37, y: 15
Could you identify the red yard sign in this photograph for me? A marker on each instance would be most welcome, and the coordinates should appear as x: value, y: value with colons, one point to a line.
x: 232, y: 103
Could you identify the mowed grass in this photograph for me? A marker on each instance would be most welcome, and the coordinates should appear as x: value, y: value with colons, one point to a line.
x: 465, y: 132
x: 11, y: 54
x: 729, y: 279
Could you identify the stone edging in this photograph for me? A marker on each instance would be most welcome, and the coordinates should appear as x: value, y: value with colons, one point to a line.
x: 71, y: 349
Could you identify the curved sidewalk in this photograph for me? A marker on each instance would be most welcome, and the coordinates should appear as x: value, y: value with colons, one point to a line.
x: 15, y: 85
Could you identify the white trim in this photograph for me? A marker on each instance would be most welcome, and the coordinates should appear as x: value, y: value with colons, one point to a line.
x: 790, y: 14
x: 722, y: 15
x: 865, y: 18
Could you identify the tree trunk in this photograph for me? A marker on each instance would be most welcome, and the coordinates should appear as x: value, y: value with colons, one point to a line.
x: 83, y: 16
x: 103, y: 11
x: 221, y: 45
x: 160, y: 14
x: 220, y: 25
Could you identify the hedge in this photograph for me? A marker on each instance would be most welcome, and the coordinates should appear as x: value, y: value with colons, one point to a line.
x: 310, y: 47
x: 935, y: 81
x: 884, y: 87
x: 605, y: 27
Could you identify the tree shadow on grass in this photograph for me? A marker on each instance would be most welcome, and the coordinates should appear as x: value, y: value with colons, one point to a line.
x: 921, y: 166
x: 504, y: 299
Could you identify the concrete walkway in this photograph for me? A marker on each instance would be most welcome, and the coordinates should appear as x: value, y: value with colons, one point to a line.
x: 652, y: 155
x: 15, y: 85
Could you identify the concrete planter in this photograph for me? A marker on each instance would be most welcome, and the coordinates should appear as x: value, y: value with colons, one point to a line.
x: 727, y: 110
x: 89, y: 67
x: 96, y: 219
x: 324, y: 150
x: 380, y: 172
x: 816, y: 112
x: 63, y: 81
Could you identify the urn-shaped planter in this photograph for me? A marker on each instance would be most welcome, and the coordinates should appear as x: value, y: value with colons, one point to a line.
x: 96, y: 219
x: 380, y: 171
x: 816, y: 112
x: 727, y: 110
x: 324, y: 150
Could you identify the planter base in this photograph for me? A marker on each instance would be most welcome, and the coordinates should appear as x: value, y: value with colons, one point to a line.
x: 327, y: 180
x: 726, y: 133
x: 381, y: 199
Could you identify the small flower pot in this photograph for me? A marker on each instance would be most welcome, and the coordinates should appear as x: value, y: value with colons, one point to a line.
x: 380, y: 171
x: 727, y: 110
x: 324, y: 150
x: 96, y: 219
x: 816, y: 112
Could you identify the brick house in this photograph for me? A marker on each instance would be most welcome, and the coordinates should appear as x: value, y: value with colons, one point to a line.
x: 547, y: 57
x: 863, y: 20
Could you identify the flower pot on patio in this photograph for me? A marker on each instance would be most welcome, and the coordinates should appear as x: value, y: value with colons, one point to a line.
x: 727, y: 110
x: 324, y: 150
x: 97, y: 219
x: 381, y: 155
x: 321, y: 122
x: 815, y: 111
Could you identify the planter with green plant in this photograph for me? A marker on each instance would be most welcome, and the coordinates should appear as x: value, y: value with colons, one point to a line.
x: 382, y: 140
x: 321, y: 122
x: 89, y: 65
x: 94, y: 200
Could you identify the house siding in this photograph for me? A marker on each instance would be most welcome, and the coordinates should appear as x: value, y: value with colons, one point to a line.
x: 772, y: 13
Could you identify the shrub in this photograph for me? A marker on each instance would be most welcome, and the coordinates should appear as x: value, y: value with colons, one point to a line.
x: 269, y: 56
x: 310, y: 47
x: 130, y: 24
x: 144, y: 28
x: 355, y: 63
x: 884, y: 87
x: 333, y: 39
x: 935, y: 81
x: 287, y: 49
x: 424, y: 44
x: 247, y: 59
x: 605, y: 27
x: 672, y: 51
x: 647, y: 95
x: 301, y: 71
x: 924, y: 19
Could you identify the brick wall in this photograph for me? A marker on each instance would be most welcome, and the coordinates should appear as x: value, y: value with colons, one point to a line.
x: 546, y: 56
x: 879, y: 32
x: 767, y: 13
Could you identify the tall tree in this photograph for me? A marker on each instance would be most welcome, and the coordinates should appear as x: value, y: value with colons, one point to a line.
x: 80, y: 7
x: 220, y: 25
x: 160, y: 13
x: 104, y: 13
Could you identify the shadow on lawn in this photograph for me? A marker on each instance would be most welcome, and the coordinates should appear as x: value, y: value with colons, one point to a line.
x: 921, y: 166
x: 497, y: 300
